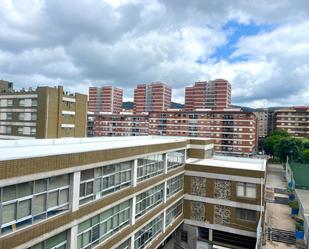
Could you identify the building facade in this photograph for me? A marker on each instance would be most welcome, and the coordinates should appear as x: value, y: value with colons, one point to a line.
x: 223, y: 203
x: 105, y: 99
x: 294, y: 120
x: 233, y: 132
x: 42, y: 113
x: 5, y: 86
x: 214, y: 94
x: 262, y: 121
x: 123, y: 124
x: 152, y: 97
x: 124, y: 193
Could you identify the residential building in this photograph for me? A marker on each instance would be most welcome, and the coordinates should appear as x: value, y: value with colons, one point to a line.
x: 152, y: 97
x: 262, y: 121
x: 233, y: 131
x: 126, y: 192
x: 294, y: 120
x: 105, y: 99
x: 42, y: 113
x: 5, y: 86
x: 122, y: 124
x: 214, y: 94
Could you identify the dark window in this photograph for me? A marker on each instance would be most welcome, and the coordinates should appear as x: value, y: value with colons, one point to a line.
x: 184, y: 236
x: 245, y: 214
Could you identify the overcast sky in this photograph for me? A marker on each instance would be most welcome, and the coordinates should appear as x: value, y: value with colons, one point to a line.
x: 261, y: 47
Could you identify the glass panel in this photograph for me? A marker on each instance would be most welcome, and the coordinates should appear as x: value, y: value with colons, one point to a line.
x: 40, y: 186
x: 85, y: 225
x: 97, y: 185
x: 39, y: 204
x: 251, y: 190
x: 9, y: 193
x: 55, y: 240
x: 38, y: 246
x: 97, y: 172
x: 86, y: 238
x: 58, y: 181
x: 24, y: 189
x: 23, y: 208
x: 8, y: 213
x: 87, y: 174
x: 89, y: 188
x: 52, y: 199
x: 64, y: 196
x: 240, y: 189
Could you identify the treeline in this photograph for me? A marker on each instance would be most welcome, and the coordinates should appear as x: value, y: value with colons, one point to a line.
x: 280, y: 144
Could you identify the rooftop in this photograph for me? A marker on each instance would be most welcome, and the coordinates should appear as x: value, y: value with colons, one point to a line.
x: 231, y: 162
x: 28, y: 148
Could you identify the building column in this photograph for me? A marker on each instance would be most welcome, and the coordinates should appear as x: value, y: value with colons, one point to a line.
x: 210, y: 234
x: 72, y: 237
x: 165, y: 192
x: 132, y: 240
x: 134, y: 173
x: 133, y: 208
x: 164, y: 221
x: 164, y: 163
x: 74, y: 191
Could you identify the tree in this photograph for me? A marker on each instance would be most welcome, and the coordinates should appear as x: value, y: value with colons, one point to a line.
x: 288, y: 146
x: 305, y: 156
x: 272, y: 141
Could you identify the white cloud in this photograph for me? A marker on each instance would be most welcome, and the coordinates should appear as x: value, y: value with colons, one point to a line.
x: 126, y: 42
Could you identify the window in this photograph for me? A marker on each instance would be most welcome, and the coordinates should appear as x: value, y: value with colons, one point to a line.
x: 149, y: 199
x: 99, y: 182
x: 100, y: 227
x: 245, y: 214
x: 175, y: 159
x: 58, y: 241
x: 20, y: 130
x: 10, y: 102
x: 21, y: 116
x: 246, y: 190
x: 173, y: 212
x: 27, y: 203
x: 34, y: 102
x: 9, y: 116
x: 8, y: 130
x: 149, y: 166
x: 148, y: 233
x: 125, y: 245
x: 184, y: 236
x: 21, y: 102
x: 33, y: 131
x: 174, y: 185
x: 33, y: 116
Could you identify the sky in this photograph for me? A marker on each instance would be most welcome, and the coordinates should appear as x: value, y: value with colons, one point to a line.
x: 261, y: 47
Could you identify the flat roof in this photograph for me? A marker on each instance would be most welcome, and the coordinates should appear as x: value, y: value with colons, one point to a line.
x: 29, y: 148
x: 230, y: 162
x: 303, y: 196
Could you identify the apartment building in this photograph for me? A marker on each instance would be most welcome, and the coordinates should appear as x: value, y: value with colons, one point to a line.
x: 262, y: 122
x: 45, y: 112
x: 214, y: 94
x: 122, y: 124
x: 5, y: 86
x: 233, y: 131
x: 105, y: 99
x: 223, y: 203
x: 152, y: 97
x: 294, y: 120
x: 126, y: 192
